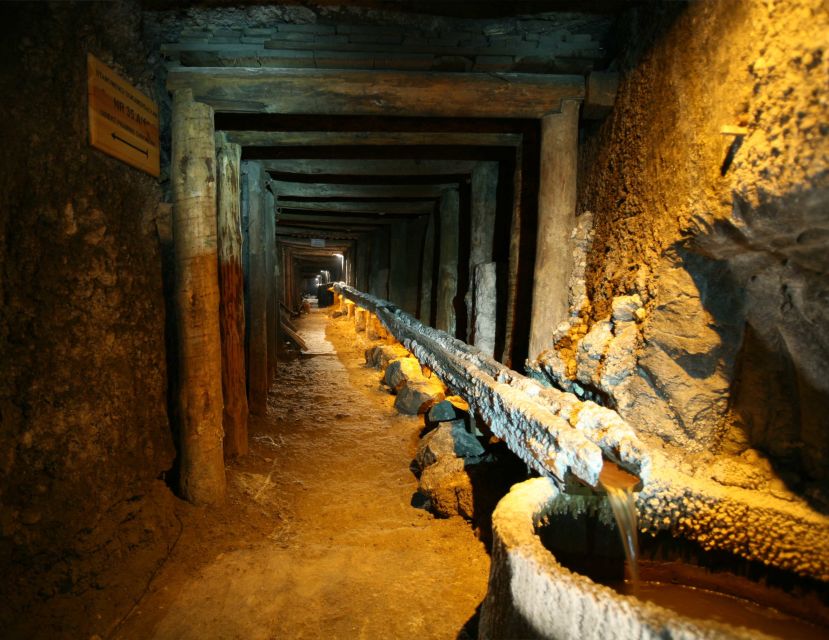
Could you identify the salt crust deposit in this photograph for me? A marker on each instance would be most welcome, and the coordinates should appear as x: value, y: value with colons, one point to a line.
x: 551, y: 431
x: 555, y: 434
x: 530, y: 592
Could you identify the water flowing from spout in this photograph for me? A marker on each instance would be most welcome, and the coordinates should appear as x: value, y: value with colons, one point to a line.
x: 619, y: 489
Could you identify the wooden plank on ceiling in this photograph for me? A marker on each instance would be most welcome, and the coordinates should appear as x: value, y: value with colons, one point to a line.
x: 402, y: 207
x: 341, y: 220
x: 371, y: 138
x: 377, y: 92
x: 370, y: 167
x: 327, y: 190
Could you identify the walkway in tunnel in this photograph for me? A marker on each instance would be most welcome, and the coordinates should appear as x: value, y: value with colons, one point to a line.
x: 319, y: 538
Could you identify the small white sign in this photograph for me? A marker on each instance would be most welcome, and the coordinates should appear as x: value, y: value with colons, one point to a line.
x: 317, y: 242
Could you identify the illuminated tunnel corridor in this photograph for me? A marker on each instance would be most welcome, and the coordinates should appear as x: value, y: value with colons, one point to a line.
x: 385, y: 319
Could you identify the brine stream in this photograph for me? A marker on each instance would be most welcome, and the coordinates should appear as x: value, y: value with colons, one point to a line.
x: 619, y: 487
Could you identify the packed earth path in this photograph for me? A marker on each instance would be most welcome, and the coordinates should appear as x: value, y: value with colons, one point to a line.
x: 319, y: 537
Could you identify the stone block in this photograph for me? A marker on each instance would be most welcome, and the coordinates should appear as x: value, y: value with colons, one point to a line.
x: 416, y: 397
x: 449, y: 440
x: 360, y: 320
x: 321, y: 29
x: 449, y: 489
x: 376, y: 38
x: 402, y: 370
x: 442, y: 411
x: 380, y: 356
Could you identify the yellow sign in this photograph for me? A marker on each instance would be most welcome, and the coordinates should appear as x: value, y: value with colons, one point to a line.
x: 123, y: 122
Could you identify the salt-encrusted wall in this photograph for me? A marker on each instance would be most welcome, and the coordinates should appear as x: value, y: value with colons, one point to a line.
x: 719, y: 243
x: 84, y: 432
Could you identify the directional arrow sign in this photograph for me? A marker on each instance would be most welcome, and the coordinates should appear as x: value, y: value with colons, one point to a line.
x: 123, y: 122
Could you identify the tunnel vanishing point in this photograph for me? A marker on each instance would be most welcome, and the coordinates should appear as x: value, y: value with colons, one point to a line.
x: 593, y: 236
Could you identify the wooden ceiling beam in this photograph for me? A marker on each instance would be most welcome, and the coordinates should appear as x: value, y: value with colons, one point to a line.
x: 342, y: 206
x: 326, y: 190
x: 377, y: 92
x: 342, y: 220
x: 370, y: 167
x: 371, y: 138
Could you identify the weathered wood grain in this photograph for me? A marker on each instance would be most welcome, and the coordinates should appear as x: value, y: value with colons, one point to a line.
x: 376, y: 92
x: 202, y: 471
x: 329, y: 190
x: 364, y: 167
x: 232, y: 308
x: 371, y: 138
x: 258, y: 382
x: 355, y: 206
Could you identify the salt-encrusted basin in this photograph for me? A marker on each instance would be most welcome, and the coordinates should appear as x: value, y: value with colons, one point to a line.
x: 533, y: 595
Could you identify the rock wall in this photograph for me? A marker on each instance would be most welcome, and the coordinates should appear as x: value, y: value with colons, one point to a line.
x: 719, y: 242
x: 85, y: 435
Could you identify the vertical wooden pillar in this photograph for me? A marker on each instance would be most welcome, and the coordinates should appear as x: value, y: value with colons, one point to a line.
x: 361, y: 262
x: 481, y: 308
x: 484, y: 307
x: 197, y: 300
x: 405, y: 261
x: 232, y: 308
x: 427, y: 271
x: 448, y: 270
x: 514, y: 253
x: 270, y: 268
x: 556, y: 219
x: 379, y: 276
x: 258, y: 381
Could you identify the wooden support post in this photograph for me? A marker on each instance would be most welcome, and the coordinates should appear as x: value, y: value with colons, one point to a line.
x: 427, y: 271
x: 448, y: 271
x: 232, y: 309
x: 361, y: 262
x: 514, y: 254
x: 398, y: 265
x: 270, y: 270
x: 484, y: 304
x: 484, y: 194
x: 197, y: 301
x: 258, y: 380
x: 379, y: 276
x: 360, y: 319
x: 556, y: 219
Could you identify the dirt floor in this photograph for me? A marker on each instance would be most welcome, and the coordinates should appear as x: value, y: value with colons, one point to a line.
x: 319, y: 538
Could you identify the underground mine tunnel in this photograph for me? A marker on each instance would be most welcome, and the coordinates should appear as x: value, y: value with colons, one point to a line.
x: 386, y: 319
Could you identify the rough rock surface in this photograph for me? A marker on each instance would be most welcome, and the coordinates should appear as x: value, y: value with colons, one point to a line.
x: 83, y: 377
x: 451, y: 408
x: 402, y: 370
x: 541, y: 426
x: 380, y: 356
x: 417, y: 396
x: 448, y: 440
x: 441, y: 412
x: 730, y: 257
